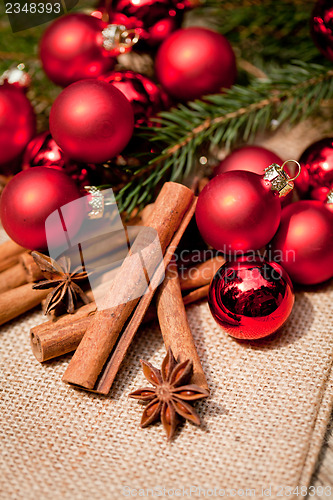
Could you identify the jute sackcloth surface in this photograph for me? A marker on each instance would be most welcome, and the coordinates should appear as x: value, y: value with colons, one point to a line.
x: 263, y: 425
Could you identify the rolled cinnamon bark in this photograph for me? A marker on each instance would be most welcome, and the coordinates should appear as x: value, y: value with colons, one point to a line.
x: 174, y: 324
x: 102, y: 334
x: 201, y: 274
x: 18, y: 301
x: 10, y: 249
x: 12, y: 278
x: 30, y: 267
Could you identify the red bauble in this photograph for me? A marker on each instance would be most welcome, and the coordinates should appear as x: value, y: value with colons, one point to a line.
x: 251, y: 299
x: 91, y: 121
x: 29, y: 198
x: 43, y: 151
x: 304, y: 242
x: 71, y: 49
x: 238, y: 211
x: 252, y: 159
x: 316, y: 177
x: 146, y: 98
x: 193, y: 62
x: 322, y: 27
x: 153, y: 20
x: 17, y: 123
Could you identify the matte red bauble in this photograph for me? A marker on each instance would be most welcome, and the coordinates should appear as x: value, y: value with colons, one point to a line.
x: 71, y: 49
x: 43, y: 151
x: 91, y: 121
x: 193, y: 62
x: 316, y: 177
x: 146, y: 98
x: 304, y: 242
x: 251, y: 299
x: 29, y: 198
x: 17, y: 123
x: 322, y: 27
x: 252, y: 159
x: 238, y: 211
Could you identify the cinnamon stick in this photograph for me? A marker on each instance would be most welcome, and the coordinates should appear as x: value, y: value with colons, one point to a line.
x: 11, y: 278
x: 10, y: 249
x: 92, y: 354
x: 18, y: 301
x: 174, y: 324
x: 201, y: 274
x: 63, y: 334
x: 31, y: 268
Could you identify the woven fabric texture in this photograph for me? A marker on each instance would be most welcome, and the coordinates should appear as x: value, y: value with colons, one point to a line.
x: 263, y: 425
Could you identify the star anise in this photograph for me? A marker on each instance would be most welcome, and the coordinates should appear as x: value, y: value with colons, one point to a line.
x: 168, y: 399
x: 61, y: 280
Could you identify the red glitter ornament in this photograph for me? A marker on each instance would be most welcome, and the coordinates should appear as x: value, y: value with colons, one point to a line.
x: 146, y: 98
x: 322, y: 27
x: 71, y: 49
x: 17, y: 124
x: 240, y: 210
x: 304, y: 242
x: 194, y: 62
x: 252, y: 159
x: 29, y: 198
x: 43, y: 151
x: 251, y: 299
x: 91, y: 121
x: 316, y: 177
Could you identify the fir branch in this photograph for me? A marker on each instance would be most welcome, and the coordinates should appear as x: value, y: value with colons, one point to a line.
x: 288, y: 94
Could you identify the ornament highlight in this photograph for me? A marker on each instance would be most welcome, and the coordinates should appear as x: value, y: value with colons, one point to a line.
x: 71, y: 49
x: 146, y: 98
x: 304, y: 242
x: 17, y: 123
x: 250, y: 298
x: 194, y: 62
x: 91, y: 121
x: 322, y: 27
x: 29, y: 198
x: 240, y: 211
x: 316, y: 178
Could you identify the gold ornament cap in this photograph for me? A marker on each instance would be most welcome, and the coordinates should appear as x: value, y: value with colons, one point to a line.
x: 279, y: 179
x: 329, y: 199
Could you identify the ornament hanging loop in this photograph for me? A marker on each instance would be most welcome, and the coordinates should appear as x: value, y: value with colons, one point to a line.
x: 118, y: 39
x: 298, y: 167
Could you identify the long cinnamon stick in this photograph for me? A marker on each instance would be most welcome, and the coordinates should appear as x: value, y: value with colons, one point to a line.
x: 18, y: 301
x: 59, y: 336
x: 12, y: 278
x: 10, y: 249
x: 174, y: 324
x: 101, y: 336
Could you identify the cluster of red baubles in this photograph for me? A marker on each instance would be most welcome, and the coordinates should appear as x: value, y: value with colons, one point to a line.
x: 92, y: 121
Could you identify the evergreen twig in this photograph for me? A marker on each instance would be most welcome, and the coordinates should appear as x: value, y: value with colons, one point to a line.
x: 289, y: 94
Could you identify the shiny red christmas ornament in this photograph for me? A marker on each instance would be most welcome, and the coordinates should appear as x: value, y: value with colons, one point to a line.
x: 153, y: 20
x: 322, y: 27
x: 29, y: 198
x: 194, y: 62
x: 240, y: 210
x: 17, y: 124
x: 304, y: 242
x: 43, y: 151
x: 250, y: 298
x: 146, y: 98
x: 71, y: 49
x: 91, y: 121
x: 316, y: 177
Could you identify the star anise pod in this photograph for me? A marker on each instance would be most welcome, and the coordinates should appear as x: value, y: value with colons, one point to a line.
x: 170, y: 396
x: 61, y: 280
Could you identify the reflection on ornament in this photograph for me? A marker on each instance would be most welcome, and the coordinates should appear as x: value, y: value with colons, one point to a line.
x: 250, y: 298
x: 322, y: 27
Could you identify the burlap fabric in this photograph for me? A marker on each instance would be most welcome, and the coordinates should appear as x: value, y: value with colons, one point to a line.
x: 262, y: 427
